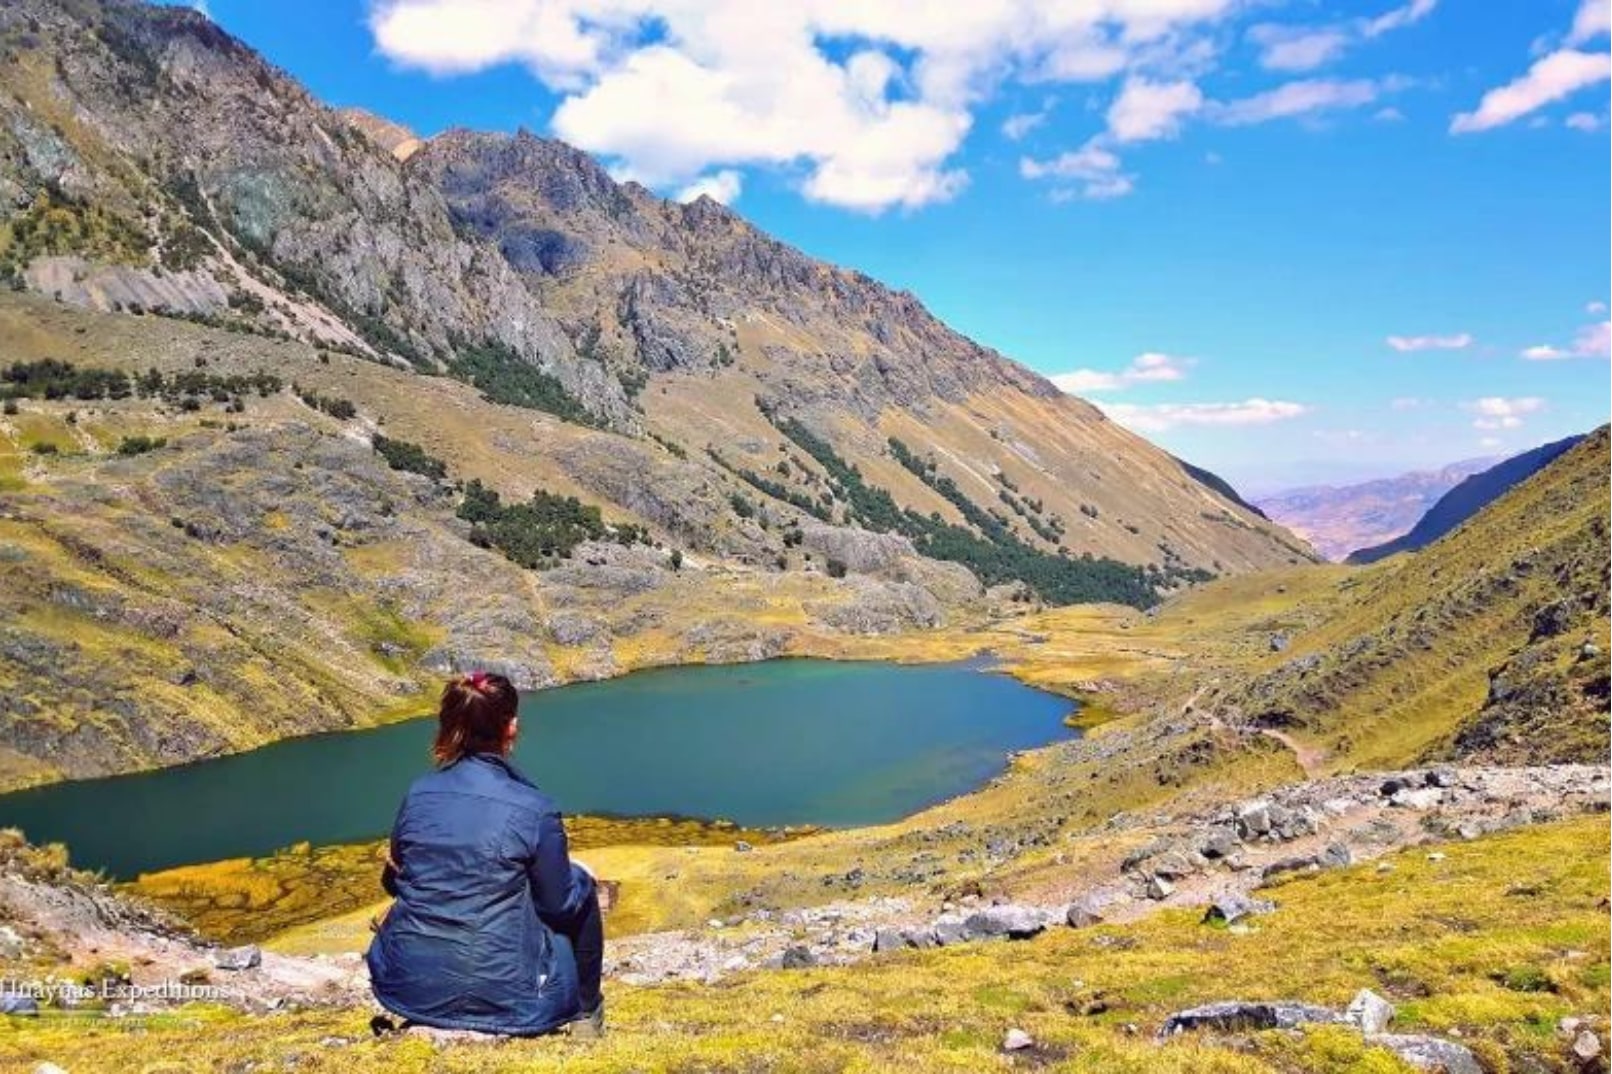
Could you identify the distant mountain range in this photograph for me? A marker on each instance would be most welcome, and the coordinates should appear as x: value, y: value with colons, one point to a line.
x: 1338, y: 519
x: 1467, y: 499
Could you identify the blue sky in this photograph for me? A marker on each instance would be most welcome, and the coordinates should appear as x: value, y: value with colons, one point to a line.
x: 1291, y: 242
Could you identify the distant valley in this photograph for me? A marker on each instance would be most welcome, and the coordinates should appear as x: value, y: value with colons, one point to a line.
x: 1338, y: 519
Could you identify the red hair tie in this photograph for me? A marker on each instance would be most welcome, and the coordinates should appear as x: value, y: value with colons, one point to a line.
x: 477, y: 681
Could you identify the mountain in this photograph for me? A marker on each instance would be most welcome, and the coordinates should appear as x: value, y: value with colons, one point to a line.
x: 1490, y: 643
x: 1337, y: 519
x: 286, y: 383
x: 1467, y: 499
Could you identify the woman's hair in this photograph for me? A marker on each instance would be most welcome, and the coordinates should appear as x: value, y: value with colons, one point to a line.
x: 474, y: 717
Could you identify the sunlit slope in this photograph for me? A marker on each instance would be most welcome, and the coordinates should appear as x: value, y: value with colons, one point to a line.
x: 1490, y: 642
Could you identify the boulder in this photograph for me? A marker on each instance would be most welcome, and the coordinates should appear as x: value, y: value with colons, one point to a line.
x: 950, y: 930
x: 1013, y: 921
x: 1420, y: 798
x: 1231, y: 906
x: 1236, y: 1016
x: 800, y: 957
x: 1172, y: 865
x: 1586, y: 1046
x: 1430, y: 1053
x: 238, y: 958
x: 1158, y: 889
x: 1084, y: 913
x: 1254, y: 819
x: 1017, y: 1040
x: 20, y: 1005
x: 889, y: 940
x: 1335, y: 856
x: 1370, y: 1012
x: 1217, y: 843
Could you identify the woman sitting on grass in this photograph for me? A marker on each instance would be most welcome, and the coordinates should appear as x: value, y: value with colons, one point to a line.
x: 494, y: 928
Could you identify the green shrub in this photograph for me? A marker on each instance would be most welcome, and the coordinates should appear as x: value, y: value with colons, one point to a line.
x: 411, y: 458
x: 139, y: 445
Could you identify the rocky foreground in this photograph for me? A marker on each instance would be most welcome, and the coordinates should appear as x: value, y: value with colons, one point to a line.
x: 1230, y: 863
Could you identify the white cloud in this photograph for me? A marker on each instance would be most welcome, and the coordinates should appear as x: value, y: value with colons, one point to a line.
x: 720, y: 186
x: 1304, y: 48
x: 1296, y: 48
x: 1407, y: 402
x: 866, y: 101
x: 1591, y: 341
x: 1388, y: 115
x: 1498, y: 412
x: 1415, y: 11
x: 1149, y: 368
x: 1162, y: 416
x: 1019, y: 124
x: 1405, y: 344
x: 1593, y: 19
x: 1094, y: 172
x: 1490, y: 441
x: 1146, y: 110
x: 1302, y: 98
x: 1595, y: 308
x: 1588, y: 122
x: 1551, y: 78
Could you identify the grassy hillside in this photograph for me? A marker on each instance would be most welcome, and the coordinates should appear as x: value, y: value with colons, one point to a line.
x: 1449, y: 940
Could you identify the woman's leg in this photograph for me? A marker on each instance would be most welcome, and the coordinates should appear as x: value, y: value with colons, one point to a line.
x: 585, y: 930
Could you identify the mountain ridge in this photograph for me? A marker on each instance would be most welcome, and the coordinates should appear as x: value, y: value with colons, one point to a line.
x: 1339, y: 518
x: 1467, y: 498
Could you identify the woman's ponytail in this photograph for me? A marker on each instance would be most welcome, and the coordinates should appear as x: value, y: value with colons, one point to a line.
x: 474, y: 716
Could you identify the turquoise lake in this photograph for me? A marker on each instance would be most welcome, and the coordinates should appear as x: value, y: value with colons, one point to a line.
x: 784, y: 742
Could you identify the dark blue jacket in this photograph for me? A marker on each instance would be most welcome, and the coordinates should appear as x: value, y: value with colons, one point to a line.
x: 482, y: 873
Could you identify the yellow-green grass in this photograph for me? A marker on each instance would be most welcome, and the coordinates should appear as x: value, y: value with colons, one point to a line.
x: 1496, y: 941
x: 321, y: 898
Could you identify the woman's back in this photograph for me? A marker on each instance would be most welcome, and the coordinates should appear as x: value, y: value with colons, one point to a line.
x: 481, y: 862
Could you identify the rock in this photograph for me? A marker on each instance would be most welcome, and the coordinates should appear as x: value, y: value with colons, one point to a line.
x: 20, y: 1005
x: 800, y: 957
x: 889, y: 940
x: 743, y: 847
x: 48, y: 1068
x: 1441, y: 777
x: 1334, y: 856
x: 1172, y: 865
x: 1083, y: 914
x: 1013, y: 921
x: 11, y: 945
x: 1568, y: 1026
x: 1217, y: 843
x: 1430, y: 1053
x: 1586, y: 1046
x: 1017, y: 1040
x: 1254, y: 819
x: 1393, y: 785
x: 1279, y: 642
x: 238, y: 958
x: 1236, y: 1016
x: 949, y: 930
x: 1159, y: 889
x: 1422, y: 798
x: 1370, y: 1012
x: 1231, y: 906
x: 1553, y: 619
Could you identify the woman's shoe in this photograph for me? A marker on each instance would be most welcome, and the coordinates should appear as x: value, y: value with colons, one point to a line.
x: 589, y: 1026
